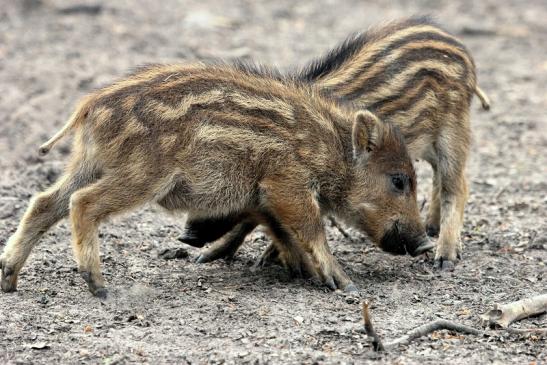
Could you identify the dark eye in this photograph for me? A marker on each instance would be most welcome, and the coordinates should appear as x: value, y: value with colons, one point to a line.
x: 399, y: 182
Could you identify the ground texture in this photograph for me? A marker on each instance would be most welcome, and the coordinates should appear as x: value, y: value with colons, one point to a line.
x: 160, y: 311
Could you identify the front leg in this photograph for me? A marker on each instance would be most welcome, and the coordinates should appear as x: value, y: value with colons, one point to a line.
x: 453, y: 196
x: 326, y: 264
x: 297, y: 226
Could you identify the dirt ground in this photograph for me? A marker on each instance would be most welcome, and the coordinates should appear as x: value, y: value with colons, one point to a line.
x: 176, y: 311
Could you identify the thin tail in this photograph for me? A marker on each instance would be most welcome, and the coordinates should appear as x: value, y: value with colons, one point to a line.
x: 76, y: 118
x: 485, y: 101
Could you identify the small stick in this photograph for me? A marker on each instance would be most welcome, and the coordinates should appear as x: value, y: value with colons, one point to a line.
x: 439, y: 324
x: 423, y: 205
x: 340, y: 229
x: 500, y: 192
x: 533, y: 236
x: 503, y: 315
x: 527, y: 331
x: 376, y: 342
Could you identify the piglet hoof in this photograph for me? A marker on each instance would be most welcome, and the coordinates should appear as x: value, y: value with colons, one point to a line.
x: 330, y: 283
x: 98, y: 291
x: 101, y: 293
x: 201, y: 259
x: 9, y: 278
x: 192, y: 239
x: 443, y: 264
x: 351, y: 288
x: 424, y: 247
x: 210, y: 255
x: 206, y: 257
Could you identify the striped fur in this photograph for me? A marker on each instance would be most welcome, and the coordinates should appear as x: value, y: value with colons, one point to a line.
x: 419, y: 77
x: 227, y: 141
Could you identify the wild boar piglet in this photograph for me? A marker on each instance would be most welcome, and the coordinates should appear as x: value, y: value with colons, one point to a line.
x: 223, y: 141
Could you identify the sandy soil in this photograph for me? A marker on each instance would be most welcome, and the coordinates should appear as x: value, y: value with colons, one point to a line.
x: 160, y: 311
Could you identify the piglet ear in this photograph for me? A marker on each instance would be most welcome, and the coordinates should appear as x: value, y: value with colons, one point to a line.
x: 365, y: 133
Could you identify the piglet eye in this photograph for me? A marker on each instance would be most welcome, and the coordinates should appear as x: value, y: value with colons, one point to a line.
x: 399, y: 181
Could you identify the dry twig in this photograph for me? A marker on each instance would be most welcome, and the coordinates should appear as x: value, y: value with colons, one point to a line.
x: 423, y: 330
x: 527, y: 331
x: 502, y: 315
x: 436, y: 325
x: 376, y: 342
x: 340, y: 229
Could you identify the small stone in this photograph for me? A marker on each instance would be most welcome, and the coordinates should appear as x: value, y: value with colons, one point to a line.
x: 39, y: 346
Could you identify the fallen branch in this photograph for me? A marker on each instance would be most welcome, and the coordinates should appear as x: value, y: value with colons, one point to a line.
x: 503, y: 315
x: 376, y: 342
x: 439, y: 324
x: 436, y: 325
x: 527, y: 331
x: 499, y: 316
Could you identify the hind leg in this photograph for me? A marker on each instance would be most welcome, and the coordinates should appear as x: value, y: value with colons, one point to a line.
x: 88, y: 208
x: 433, y: 220
x: 228, y: 245
x: 449, y: 245
x: 44, y: 211
x: 198, y: 231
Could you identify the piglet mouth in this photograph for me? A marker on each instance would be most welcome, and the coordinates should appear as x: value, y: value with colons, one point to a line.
x: 399, y: 244
x: 392, y: 242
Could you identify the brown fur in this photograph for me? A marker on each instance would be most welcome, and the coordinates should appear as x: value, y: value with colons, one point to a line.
x: 417, y: 76
x: 424, y: 84
x: 220, y: 141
